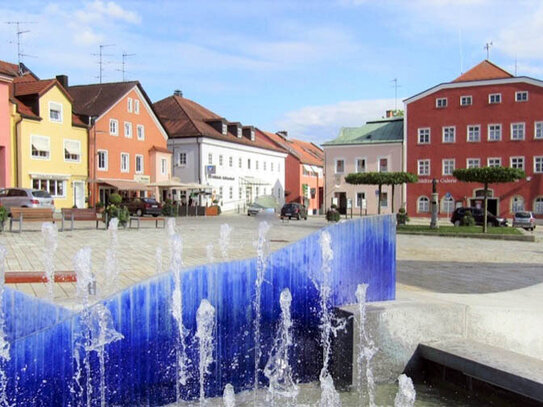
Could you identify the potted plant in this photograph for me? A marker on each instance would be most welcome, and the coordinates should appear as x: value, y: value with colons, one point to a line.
x: 115, y: 210
x: 401, y: 217
x: 3, y: 216
x: 332, y: 214
x: 100, y: 207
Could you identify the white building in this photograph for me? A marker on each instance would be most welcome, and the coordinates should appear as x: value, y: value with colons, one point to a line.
x: 239, y: 163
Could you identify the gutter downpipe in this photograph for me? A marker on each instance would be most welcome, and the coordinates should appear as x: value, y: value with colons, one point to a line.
x: 17, y: 152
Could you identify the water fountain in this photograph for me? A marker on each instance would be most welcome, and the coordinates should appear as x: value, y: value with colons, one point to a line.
x: 111, y: 266
x: 4, y: 344
x: 229, y: 396
x: 50, y: 239
x: 205, y: 322
x: 224, y: 240
x: 406, y: 393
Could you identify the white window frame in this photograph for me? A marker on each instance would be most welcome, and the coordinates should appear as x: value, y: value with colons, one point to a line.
x: 209, y: 158
x: 37, y: 157
x: 519, y: 96
x: 240, y: 162
x: 426, y: 167
x: 337, y: 160
x: 141, y: 170
x: 115, y: 131
x: 224, y: 129
x: 60, y: 110
x: 444, y: 130
x: 105, y: 167
x: 231, y: 161
x: 445, y: 163
x: 383, y: 201
x: 140, y: 129
x: 230, y: 192
x: 127, y: 126
x: 78, y: 160
x: 136, y: 106
x: 538, y: 132
x: 494, y: 125
x: 469, y: 132
x: 164, y: 166
x: 379, y: 164
x: 182, y: 159
x: 441, y: 103
x: 356, y: 160
x: 514, y: 131
x: 359, y: 204
x: 476, y: 161
x: 499, y: 159
x: 466, y: 98
x: 256, y: 165
x: 494, y: 98
x: 538, y: 205
x: 426, y: 209
x: 271, y: 166
x: 447, y: 204
x: 220, y: 160
x: 127, y: 169
x: 48, y: 184
x: 540, y: 159
x: 518, y: 157
x: 424, y: 132
x: 129, y: 105
x: 515, y: 205
x: 264, y: 165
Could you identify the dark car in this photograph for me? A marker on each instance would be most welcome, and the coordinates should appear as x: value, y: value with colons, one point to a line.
x: 143, y: 206
x: 478, y: 215
x: 294, y: 210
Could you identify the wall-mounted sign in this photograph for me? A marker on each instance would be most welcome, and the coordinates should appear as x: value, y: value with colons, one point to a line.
x: 211, y: 169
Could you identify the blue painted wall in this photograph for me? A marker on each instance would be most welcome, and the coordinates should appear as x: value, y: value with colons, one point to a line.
x: 141, y: 367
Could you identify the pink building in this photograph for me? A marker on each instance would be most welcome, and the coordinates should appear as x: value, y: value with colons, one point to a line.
x: 7, y: 73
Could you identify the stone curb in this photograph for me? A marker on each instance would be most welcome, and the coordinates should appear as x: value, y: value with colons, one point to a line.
x: 519, y: 238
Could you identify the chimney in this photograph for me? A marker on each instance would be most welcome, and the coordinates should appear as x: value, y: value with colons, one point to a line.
x: 178, y: 92
x: 389, y: 114
x: 282, y: 133
x: 63, y: 79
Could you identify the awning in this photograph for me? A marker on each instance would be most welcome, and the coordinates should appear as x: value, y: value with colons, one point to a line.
x: 308, y: 168
x: 72, y: 147
x: 40, y: 143
x: 124, y: 185
x: 189, y: 186
x: 253, y: 181
x: 317, y: 170
x: 39, y: 175
x: 167, y: 184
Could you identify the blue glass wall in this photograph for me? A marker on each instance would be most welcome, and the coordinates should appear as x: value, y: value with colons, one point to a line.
x: 140, y: 369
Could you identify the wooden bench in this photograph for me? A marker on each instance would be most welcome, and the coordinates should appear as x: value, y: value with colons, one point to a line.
x: 72, y: 214
x: 30, y: 215
x: 25, y: 277
x: 138, y: 219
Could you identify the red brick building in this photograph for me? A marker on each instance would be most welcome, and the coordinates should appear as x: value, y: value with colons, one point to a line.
x: 485, y: 117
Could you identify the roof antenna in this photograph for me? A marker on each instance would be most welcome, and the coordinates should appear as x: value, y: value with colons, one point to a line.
x: 396, y: 86
x: 123, y: 70
x: 102, y: 46
x: 20, y: 33
x: 487, y: 46
x: 460, y: 50
x: 516, y: 65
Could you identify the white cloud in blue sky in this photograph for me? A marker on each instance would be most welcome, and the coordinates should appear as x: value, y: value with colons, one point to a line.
x: 307, y: 67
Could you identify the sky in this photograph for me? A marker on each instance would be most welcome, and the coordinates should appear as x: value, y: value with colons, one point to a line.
x: 309, y: 67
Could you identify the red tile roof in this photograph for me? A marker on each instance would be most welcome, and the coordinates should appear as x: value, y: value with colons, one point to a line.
x: 306, y: 153
x: 95, y: 99
x: 10, y: 69
x: 25, y: 88
x: 483, y: 71
x: 160, y: 149
x: 183, y: 117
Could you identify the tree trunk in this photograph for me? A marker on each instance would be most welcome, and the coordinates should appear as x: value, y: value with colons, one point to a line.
x: 485, y: 206
x: 393, y: 198
x: 379, y: 201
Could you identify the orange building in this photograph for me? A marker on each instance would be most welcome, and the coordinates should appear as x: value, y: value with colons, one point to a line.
x: 127, y: 143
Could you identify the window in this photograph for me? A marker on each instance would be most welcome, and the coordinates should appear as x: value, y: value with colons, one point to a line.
x: 340, y: 166
x: 129, y: 105
x: 113, y: 127
x: 256, y: 165
x: 448, y: 166
x: 55, y: 112
x: 447, y: 204
x: 240, y: 162
x: 384, y: 199
x: 125, y: 162
x: 494, y: 132
x: 239, y: 132
x: 473, y: 163
x: 139, y: 164
x: 360, y: 196
x: 72, y: 150
x: 102, y: 160
x: 474, y: 134
x: 220, y: 192
x: 517, y: 131
x: 521, y: 96
x: 517, y: 204
x: 248, y: 163
x: 257, y: 190
x: 182, y: 159
x: 278, y: 167
x: 264, y: 165
x: 136, y: 106
x: 230, y: 193
x: 231, y: 161
x: 240, y: 193
x: 494, y: 162
x: 271, y: 166
x: 441, y: 102
x: 424, y: 135
x: 210, y: 159
x: 141, y: 132
x: 128, y: 129
x: 448, y: 134
x: 538, y: 205
x: 383, y: 165
x: 423, y: 204
x: 40, y: 147
x: 224, y: 129
x: 538, y: 131
x: 494, y: 98
x: 54, y: 186
x: 164, y: 166
x: 220, y: 160
x: 466, y: 101
x: 423, y: 167
x: 517, y: 162
x: 538, y: 164
x: 360, y: 165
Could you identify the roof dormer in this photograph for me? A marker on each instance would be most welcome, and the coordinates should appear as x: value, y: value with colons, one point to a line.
x: 220, y: 124
x: 249, y: 132
x: 235, y: 129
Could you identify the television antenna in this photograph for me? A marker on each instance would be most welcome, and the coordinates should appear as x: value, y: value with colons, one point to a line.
x: 100, y: 55
x: 396, y: 86
x: 20, y: 33
x: 123, y: 70
x: 487, y: 46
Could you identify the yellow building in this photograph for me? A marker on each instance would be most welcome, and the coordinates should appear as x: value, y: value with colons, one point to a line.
x: 49, y: 142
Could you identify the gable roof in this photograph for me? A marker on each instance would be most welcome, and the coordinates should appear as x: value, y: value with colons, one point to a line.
x: 373, y: 132
x: 183, y: 118
x: 483, y: 71
x: 306, y: 153
x: 9, y: 69
x: 36, y: 87
x: 96, y: 99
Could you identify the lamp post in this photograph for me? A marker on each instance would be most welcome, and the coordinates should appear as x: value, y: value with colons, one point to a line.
x: 434, y: 205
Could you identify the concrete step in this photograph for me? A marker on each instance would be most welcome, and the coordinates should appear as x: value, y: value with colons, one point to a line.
x: 508, y: 370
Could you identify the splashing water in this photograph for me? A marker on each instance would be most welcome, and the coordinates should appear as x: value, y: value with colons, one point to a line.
x: 406, y: 393
x: 158, y: 260
x: 205, y: 323
x: 209, y: 253
x: 229, y: 396
x: 50, y: 239
x: 4, y: 343
x: 84, y: 276
x: 277, y: 369
x: 224, y: 240
x: 170, y: 227
x: 111, y: 267
x: 262, y: 248
x: 366, y: 349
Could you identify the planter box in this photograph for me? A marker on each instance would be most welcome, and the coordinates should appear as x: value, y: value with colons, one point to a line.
x: 212, y: 211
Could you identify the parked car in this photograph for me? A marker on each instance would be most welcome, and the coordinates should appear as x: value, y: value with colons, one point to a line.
x: 524, y: 219
x: 142, y: 206
x: 263, y: 204
x: 294, y: 210
x: 478, y: 215
x: 26, y: 198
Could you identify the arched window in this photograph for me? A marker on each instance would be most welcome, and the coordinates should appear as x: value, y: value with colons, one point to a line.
x: 517, y: 204
x: 538, y: 205
x: 423, y: 204
x: 447, y: 205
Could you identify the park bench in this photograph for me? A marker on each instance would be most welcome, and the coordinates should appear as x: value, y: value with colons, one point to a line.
x: 30, y: 215
x: 138, y: 219
x: 73, y: 214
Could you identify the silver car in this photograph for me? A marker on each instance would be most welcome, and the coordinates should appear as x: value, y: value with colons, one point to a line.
x: 524, y: 219
x: 26, y: 198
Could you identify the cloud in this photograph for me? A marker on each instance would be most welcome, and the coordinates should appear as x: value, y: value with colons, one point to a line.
x: 522, y: 38
x: 98, y: 10
x: 322, y: 123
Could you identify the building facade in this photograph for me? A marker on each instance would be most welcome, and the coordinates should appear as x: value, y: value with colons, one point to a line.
x: 485, y: 117
x: 235, y: 163
x: 127, y: 142
x: 7, y: 73
x: 375, y: 147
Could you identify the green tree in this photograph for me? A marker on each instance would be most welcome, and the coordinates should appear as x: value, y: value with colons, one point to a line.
x: 380, y: 179
x: 487, y: 176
